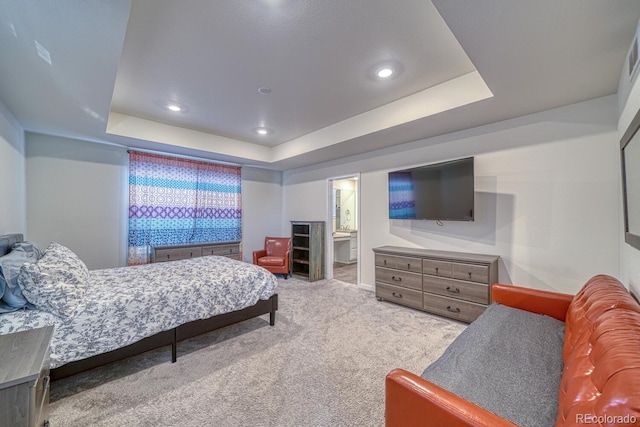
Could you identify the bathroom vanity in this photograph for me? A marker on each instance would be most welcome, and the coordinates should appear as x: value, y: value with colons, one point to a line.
x: 345, y: 246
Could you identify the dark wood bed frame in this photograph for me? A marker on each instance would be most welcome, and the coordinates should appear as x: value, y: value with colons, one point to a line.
x: 161, y: 339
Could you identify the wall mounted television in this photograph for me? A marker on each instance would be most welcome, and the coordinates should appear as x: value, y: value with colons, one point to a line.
x: 440, y: 191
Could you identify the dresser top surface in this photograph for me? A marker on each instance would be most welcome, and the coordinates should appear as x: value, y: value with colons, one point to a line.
x: 430, y: 253
x: 196, y: 245
x: 23, y: 354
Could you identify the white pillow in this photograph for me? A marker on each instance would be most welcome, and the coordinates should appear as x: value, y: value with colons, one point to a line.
x: 56, y: 282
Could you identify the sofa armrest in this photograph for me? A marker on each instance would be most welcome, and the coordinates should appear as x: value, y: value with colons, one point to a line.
x: 412, y: 401
x: 258, y: 254
x: 553, y: 304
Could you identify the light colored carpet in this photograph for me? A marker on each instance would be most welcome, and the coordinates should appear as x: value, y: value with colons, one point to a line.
x: 322, y: 364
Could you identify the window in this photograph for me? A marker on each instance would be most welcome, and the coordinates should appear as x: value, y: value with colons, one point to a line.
x: 176, y: 201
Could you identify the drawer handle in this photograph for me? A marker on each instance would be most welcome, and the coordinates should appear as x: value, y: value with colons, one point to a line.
x: 469, y: 275
x: 384, y: 262
x: 396, y: 295
x: 453, y: 290
x: 453, y: 310
x: 436, y: 270
x: 168, y: 256
x: 408, y: 266
x: 396, y: 279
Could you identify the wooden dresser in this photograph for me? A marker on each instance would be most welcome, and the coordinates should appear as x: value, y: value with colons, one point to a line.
x: 172, y: 253
x: 452, y: 284
x: 24, y: 378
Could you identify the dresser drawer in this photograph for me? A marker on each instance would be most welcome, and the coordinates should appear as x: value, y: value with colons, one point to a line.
x: 405, y: 279
x: 221, y: 250
x: 399, y: 262
x: 437, y: 268
x: 471, y: 272
x: 404, y: 296
x: 468, y: 291
x: 457, y: 309
x: 177, y: 253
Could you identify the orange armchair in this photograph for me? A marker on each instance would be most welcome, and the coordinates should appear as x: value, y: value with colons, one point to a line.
x: 275, y: 255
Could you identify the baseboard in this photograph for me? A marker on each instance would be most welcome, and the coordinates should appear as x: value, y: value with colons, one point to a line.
x: 366, y: 287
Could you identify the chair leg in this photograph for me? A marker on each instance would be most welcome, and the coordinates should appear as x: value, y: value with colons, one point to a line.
x: 285, y: 276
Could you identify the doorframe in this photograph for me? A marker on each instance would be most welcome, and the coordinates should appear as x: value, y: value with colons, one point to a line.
x: 329, y: 222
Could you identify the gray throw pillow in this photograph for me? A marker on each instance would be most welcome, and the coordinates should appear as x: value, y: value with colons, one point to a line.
x: 10, y: 265
x: 56, y: 282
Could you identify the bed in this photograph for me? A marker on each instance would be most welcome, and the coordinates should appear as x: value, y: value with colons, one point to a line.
x: 125, y: 311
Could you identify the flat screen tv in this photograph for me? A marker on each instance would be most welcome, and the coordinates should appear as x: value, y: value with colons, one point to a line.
x: 441, y: 191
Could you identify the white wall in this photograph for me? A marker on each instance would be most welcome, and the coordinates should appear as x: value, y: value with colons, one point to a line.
x: 77, y: 194
x: 12, y: 165
x: 547, y: 196
x: 261, y: 209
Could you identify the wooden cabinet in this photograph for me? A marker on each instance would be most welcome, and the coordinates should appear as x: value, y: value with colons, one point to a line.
x: 307, y: 249
x: 353, y: 246
x: 172, y: 253
x: 24, y: 378
x: 456, y: 285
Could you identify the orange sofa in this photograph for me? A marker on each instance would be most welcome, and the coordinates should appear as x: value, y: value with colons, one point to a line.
x: 600, y: 379
x: 275, y: 255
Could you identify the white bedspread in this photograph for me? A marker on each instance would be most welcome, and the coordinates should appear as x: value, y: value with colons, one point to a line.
x: 124, y: 305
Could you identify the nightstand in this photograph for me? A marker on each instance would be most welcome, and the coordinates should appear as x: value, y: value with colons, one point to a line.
x: 24, y: 377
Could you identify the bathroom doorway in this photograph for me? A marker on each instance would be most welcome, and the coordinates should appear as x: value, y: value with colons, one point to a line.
x: 343, y: 230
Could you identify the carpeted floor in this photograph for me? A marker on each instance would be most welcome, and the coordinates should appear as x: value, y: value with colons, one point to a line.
x: 322, y: 364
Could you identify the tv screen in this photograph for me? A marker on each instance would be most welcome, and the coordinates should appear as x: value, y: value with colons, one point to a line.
x: 441, y: 191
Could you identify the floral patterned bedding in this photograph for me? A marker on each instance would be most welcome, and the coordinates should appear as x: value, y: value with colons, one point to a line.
x: 124, y: 305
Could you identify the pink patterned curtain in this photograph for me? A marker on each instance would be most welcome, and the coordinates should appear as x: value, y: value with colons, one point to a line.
x: 174, y: 201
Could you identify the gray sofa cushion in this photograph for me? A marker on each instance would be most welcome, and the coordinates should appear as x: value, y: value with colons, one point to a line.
x: 508, y: 361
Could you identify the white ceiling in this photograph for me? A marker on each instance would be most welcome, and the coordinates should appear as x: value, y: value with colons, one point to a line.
x: 104, y: 70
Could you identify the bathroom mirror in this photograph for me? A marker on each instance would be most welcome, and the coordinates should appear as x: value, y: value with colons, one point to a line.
x: 336, y: 210
x: 344, y: 208
x: 345, y: 203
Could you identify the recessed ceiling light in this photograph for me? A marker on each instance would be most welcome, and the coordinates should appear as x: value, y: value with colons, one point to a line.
x: 265, y: 90
x: 384, y: 72
x: 175, y: 107
x: 262, y: 131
